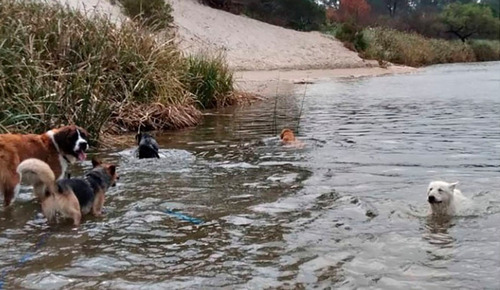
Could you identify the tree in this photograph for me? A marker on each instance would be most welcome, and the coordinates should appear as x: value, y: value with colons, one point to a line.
x: 391, y: 7
x: 296, y: 14
x: 395, y: 5
x: 357, y: 11
x: 466, y: 20
x: 494, y: 5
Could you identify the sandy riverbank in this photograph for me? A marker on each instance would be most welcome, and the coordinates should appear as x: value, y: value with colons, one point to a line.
x: 265, y: 82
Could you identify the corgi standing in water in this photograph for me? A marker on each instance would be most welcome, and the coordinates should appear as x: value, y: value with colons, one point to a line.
x: 71, y: 198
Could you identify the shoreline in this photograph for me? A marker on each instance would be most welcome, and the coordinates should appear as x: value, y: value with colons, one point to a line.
x: 267, y: 83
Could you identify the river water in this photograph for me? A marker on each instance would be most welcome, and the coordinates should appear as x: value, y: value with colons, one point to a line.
x: 347, y: 211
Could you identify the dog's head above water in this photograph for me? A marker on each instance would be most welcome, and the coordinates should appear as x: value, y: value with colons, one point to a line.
x: 287, y: 136
x: 440, y: 192
x: 108, y: 173
x: 139, y: 136
x: 148, y: 147
x: 71, y: 141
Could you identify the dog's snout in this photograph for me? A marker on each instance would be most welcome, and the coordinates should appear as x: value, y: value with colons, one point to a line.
x: 431, y: 199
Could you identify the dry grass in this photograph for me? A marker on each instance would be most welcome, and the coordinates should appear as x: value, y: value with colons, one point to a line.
x: 486, y: 50
x: 413, y: 49
x: 153, y: 117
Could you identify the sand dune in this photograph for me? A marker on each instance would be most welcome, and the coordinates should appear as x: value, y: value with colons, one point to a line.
x: 254, y: 45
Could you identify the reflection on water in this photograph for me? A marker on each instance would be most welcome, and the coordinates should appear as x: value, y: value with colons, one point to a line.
x: 346, y: 211
x: 436, y: 231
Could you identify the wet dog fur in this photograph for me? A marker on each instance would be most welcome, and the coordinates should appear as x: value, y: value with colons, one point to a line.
x: 287, y: 137
x: 444, y: 198
x: 148, y: 147
x: 71, y: 198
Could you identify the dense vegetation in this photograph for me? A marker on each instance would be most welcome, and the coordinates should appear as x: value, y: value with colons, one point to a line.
x: 407, y: 32
x: 302, y: 15
x: 59, y: 66
x: 435, y: 19
x: 155, y: 14
x: 413, y: 49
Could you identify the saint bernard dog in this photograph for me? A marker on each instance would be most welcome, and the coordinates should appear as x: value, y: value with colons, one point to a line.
x: 57, y: 147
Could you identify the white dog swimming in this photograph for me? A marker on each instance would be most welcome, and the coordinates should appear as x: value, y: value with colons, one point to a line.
x: 444, y: 198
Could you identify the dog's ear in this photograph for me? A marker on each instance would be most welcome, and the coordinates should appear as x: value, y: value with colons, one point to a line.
x: 283, y: 133
x: 95, y: 162
x: 453, y: 185
x: 112, y: 169
x: 138, y: 137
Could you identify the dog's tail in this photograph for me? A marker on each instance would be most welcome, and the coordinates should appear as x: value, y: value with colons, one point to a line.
x: 37, y: 173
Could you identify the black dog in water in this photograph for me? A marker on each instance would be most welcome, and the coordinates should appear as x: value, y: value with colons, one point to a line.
x: 148, y: 147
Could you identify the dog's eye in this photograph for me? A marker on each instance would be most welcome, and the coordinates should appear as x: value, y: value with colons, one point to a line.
x: 430, y: 189
x: 440, y: 190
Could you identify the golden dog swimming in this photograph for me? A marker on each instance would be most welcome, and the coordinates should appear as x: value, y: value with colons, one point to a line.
x: 288, y: 138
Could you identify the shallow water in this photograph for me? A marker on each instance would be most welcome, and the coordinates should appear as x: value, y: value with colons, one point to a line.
x: 347, y: 211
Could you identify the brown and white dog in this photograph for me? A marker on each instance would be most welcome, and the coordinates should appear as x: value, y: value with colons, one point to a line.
x: 69, y: 197
x: 288, y: 138
x: 57, y: 147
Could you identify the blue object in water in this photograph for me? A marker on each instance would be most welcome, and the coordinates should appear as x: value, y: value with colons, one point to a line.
x: 184, y: 217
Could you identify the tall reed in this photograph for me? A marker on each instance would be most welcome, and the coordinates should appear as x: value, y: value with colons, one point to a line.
x: 210, y: 80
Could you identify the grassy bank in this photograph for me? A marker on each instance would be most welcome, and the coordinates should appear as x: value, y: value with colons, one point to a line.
x: 413, y: 49
x: 59, y: 66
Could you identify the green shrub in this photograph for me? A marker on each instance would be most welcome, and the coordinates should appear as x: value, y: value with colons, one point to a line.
x: 156, y: 14
x: 210, y: 80
x: 360, y: 43
x: 352, y: 35
x: 413, y: 49
x: 486, y: 50
x: 346, y: 32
